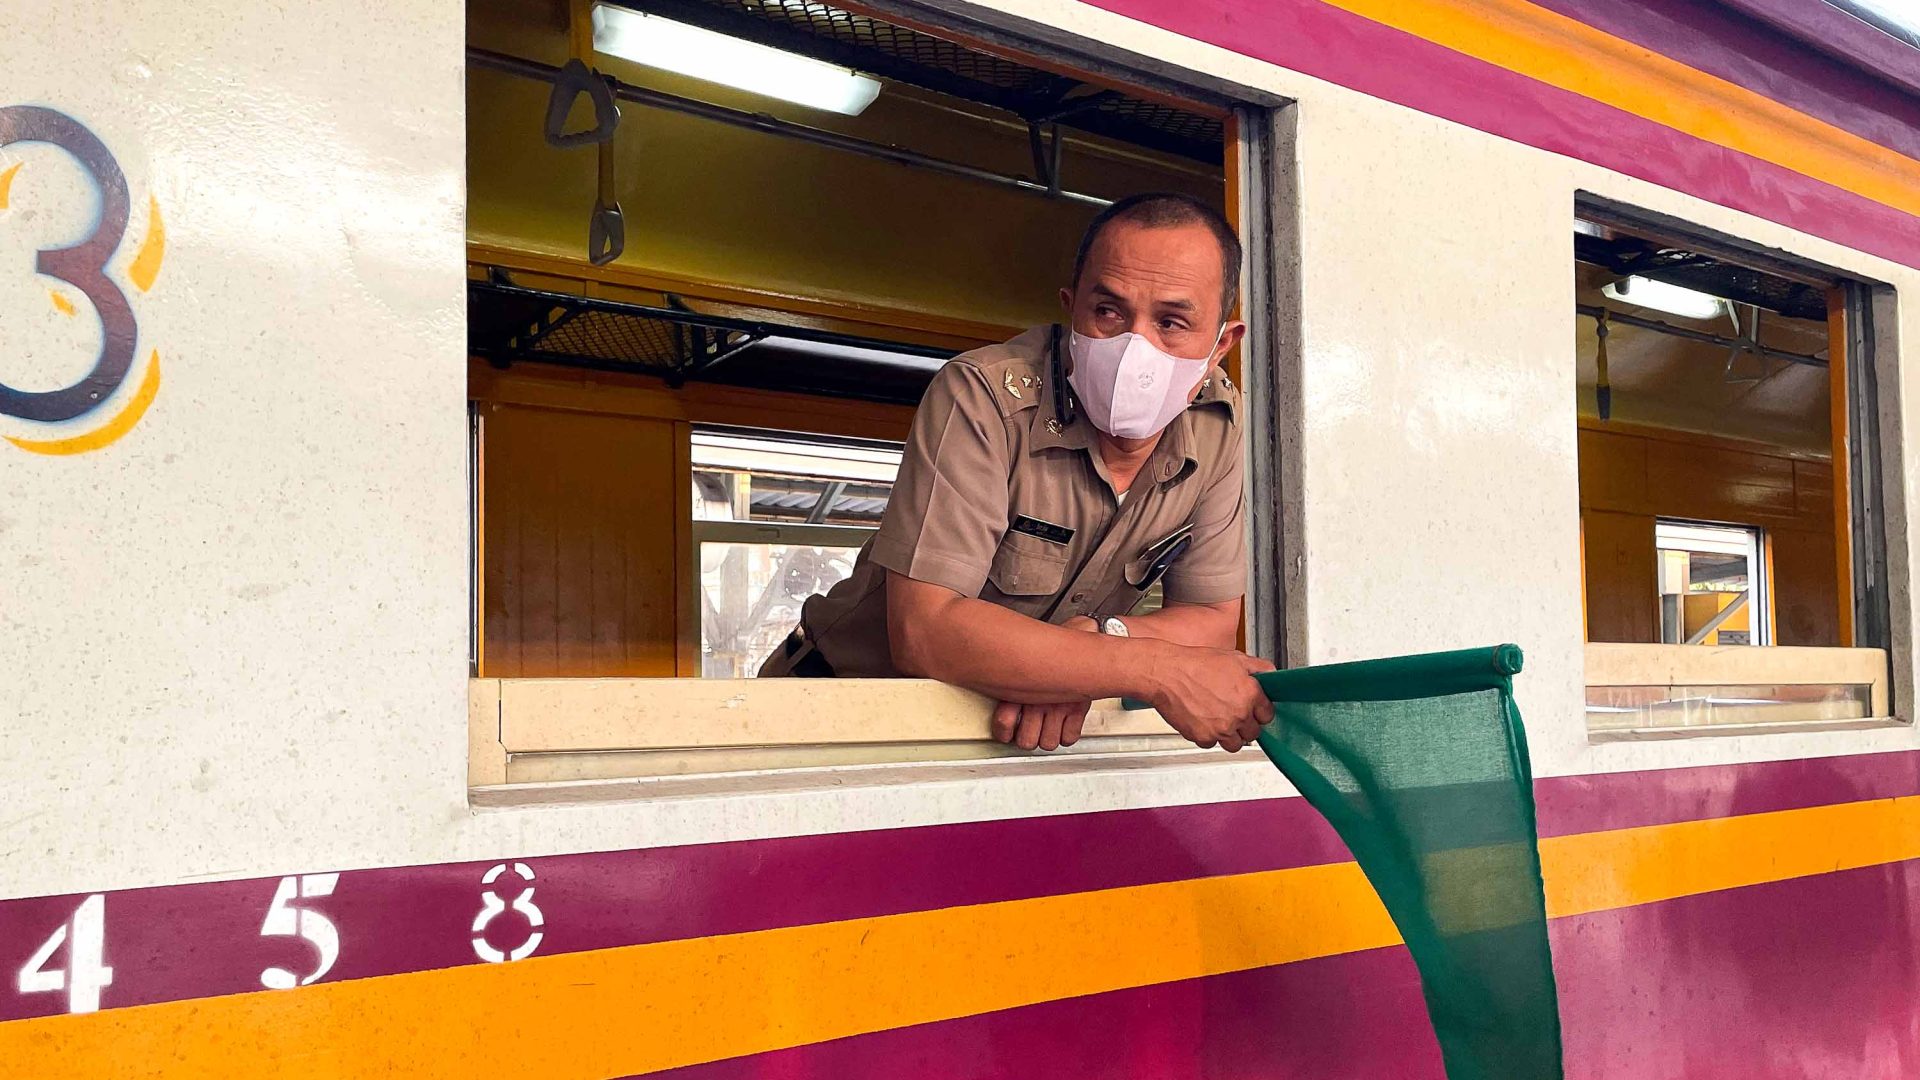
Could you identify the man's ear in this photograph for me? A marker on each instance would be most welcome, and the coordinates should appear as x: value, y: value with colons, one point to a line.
x: 1229, y: 338
x: 1066, y: 303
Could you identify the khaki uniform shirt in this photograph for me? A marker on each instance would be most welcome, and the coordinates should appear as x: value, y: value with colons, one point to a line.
x: 997, y: 499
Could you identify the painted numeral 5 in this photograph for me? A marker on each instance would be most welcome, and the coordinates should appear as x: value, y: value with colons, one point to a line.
x: 286, y: 920
x: 86, y: 973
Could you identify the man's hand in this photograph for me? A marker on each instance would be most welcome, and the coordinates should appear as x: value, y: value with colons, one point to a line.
x: 1206, y: 694
x: 1046, y: 727
x: 1210, y: 696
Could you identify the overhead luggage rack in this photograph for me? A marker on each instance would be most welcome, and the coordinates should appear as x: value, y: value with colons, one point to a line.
x: 509, y: 324
x: 906, y: 55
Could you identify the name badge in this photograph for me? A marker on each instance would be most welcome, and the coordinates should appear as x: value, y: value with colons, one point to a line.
x: 1045, y: 530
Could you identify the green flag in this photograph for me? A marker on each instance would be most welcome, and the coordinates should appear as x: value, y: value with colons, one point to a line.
x: 1420, y: 764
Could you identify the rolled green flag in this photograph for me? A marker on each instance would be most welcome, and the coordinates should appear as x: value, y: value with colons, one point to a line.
x: 1420, y: 764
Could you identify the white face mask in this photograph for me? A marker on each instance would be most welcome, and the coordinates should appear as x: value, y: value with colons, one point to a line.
x: 1130, y: 389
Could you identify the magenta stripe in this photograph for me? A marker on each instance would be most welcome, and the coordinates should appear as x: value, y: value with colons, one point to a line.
x: 1327, y: 43
x: 200, y: 940
x: 1813, y: 977
x: 1705, y: 35
x: 1824, y: 27
x: 1596, y: 803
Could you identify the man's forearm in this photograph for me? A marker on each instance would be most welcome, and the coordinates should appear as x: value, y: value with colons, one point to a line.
x: 1006, y: 655
x: 1213, y: 626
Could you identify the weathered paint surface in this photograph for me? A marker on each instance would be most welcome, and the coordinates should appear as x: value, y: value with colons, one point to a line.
x: 902, y: 941
x: 235, y: 638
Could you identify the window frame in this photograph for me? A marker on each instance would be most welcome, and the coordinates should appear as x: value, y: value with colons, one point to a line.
x: 1261, y: 194
x: 1861, y: 450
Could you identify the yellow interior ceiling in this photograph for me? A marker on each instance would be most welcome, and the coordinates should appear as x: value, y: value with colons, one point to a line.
x: 711, y: 205
x: 1671, y: 382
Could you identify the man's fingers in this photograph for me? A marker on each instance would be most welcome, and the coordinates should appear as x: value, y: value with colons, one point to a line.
x: 1052, y: 718
x: 1027, y: 735
x: 1255, y: 664
x: 1076, y: 719
x: 1005, y: 716
x: 1262, y: 709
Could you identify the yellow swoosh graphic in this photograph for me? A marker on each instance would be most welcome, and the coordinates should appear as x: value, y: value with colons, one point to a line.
x: 6, y: 184
x: 108, y: 433
x: 153, y: 248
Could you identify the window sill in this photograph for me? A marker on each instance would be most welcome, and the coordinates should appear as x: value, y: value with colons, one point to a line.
x: 586, y: 731
x: 1639, y: 692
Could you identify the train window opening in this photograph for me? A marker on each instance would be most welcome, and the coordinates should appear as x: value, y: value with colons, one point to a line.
x: 1733, y: 566
x: 698, y: 340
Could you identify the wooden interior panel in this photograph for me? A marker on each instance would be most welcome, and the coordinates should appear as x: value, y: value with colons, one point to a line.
x: 1623, y: 599
x: 1806, y: 593
x: 1631, y: 475
x: 1613, y: 471
x: 579, y: 547
x: 1720, y: 485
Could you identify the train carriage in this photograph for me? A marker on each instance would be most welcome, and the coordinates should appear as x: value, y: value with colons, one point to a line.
x: 420, y: 419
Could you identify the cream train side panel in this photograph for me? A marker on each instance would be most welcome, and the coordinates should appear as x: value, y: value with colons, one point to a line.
x: 232, y: 639
x: 265, y: 609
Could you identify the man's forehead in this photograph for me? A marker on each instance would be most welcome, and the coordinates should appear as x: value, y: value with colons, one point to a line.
x: 1184, y: 257
x: 1164, y: 292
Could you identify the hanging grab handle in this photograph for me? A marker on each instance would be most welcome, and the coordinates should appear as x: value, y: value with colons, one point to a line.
x: 607, y: 229
x: 574, y: 79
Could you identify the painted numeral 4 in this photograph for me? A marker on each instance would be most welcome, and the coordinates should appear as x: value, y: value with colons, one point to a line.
x: 86, y: 973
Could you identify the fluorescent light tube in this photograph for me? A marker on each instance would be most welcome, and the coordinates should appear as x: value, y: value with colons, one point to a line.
x: 744, y: 65
x: 1660, y: 296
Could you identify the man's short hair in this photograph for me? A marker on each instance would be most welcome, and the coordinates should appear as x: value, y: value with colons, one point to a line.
x: 1164, y: 209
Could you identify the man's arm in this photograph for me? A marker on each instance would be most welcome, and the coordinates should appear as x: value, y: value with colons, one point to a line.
x: 1211, y: 626
x: 1206, y: 694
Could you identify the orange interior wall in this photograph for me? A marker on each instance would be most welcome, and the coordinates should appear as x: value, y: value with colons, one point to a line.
x: 1630, y: 476
x: 578, y: 575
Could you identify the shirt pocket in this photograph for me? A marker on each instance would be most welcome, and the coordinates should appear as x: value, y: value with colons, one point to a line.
x: 1028, y: 566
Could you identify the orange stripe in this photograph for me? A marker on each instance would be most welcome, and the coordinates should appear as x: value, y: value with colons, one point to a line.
x: 1563, y: 52
x: 651, y: 1007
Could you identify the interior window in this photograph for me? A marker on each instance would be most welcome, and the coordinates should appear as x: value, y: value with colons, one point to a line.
x: 775, y: 520
x: 1712, y: 589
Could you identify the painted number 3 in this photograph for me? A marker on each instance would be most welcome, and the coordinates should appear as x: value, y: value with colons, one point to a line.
x: 286, y: 920
x: 491, y: 906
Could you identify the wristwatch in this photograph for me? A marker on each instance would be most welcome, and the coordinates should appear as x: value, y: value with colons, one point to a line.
x: 1113, y: 627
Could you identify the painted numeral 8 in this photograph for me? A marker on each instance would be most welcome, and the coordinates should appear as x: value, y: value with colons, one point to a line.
x: 491, y: 906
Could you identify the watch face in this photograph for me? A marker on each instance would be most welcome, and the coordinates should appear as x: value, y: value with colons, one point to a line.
x: 1113, y: 627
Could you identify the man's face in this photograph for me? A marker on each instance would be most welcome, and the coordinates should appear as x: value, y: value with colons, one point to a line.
x: 1161, y: 283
